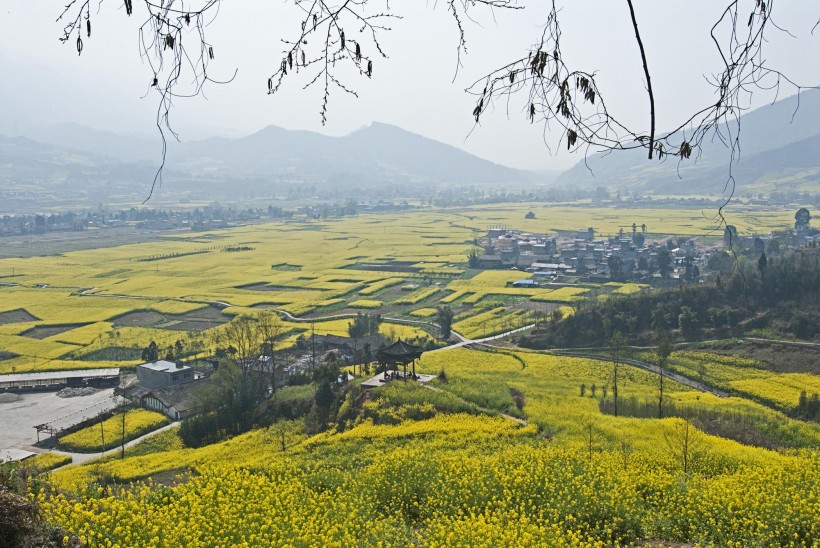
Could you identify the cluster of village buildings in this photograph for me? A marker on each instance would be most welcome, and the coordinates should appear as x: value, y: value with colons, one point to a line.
x: 629, y: 256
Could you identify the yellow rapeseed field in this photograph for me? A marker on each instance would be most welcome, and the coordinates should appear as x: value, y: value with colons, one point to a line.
x: 90, y: 439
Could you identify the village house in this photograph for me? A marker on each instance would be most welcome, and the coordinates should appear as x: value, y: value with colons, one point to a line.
x: 166, y: 387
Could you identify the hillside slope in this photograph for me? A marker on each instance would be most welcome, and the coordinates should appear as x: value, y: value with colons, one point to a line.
x: 775, y: 140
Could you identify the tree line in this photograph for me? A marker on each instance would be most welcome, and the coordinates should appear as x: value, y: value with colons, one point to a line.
x: 779, y: 293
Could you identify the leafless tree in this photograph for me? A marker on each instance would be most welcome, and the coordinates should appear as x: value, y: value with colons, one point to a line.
x: 271, y: 328
x: 254, y: 342
x: 662, y: 353
x: 684, y: 443
x: 243, y: 335
x: 329, y: 39
x: 591, y: 435
x: 616, y: 346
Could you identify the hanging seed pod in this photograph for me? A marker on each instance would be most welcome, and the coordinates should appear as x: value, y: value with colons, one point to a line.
x: 187, y: 18
x: 88, y: 27
x: 571, y: 138
x: 290, y: 60
x: 211, y: 52
x: 128, y: 7
x: 358, y: 52
x: 155, y: 83
x: 342, y: 38
x: 532, y: 112
x: 270, y: 85
x: 79, y: 45
x: 512, y: 77
x: 304, y: 64
x: 369, y: 68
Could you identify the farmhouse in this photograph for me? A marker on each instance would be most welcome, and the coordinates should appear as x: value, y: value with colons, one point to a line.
x: 162, y: 373
x: 176, y: 402
x: 166, y: 387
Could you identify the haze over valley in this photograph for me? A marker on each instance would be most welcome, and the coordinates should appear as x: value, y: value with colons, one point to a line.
x: 353, y: 305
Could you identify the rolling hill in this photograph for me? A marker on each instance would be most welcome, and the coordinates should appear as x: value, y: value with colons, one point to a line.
x: 778, y: 145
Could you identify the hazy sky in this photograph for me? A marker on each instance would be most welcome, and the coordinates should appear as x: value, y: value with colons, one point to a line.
x: 44, y: 81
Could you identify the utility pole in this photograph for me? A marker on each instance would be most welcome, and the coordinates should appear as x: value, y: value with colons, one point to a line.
x: 122, y: 438
x: 312, y: 345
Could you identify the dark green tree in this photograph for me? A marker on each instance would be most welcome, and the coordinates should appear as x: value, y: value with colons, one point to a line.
x: 761, y: 265
x: 472, y: 259
x: 687, y: 320
x: 444, y: 315
x: 151, y: 352
x: 802, y: 218
x: 616, y: 268
x: 664, y: 262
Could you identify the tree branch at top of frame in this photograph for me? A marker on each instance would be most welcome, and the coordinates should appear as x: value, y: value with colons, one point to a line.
x: 570, y: 97
x: 336, y: 42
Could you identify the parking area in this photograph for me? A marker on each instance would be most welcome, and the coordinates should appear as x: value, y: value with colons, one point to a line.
x: 20, y: 413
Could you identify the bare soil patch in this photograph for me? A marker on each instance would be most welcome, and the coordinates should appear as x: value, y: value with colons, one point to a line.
x: 391, y: 266
x: 207, y: 313
x: 138, y: 318
x: 19, y: 315
x: 41, y: 332
x: 197, y: 320
x: 262, y: 286
x: 194, y: 325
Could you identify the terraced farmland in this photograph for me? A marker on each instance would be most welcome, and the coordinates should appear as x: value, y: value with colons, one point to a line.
x: 56, y: 310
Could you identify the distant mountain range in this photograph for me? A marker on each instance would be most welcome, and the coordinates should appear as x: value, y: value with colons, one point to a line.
x: 376, y: 155
x: 70, y: 164
x: 779, y: 144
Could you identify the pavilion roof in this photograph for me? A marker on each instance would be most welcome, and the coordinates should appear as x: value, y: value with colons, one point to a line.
x: 401, y: 352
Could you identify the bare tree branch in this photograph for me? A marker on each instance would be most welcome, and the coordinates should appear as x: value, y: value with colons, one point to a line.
x: 174, y: 44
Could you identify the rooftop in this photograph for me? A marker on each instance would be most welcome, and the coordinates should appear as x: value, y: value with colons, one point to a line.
x: 163, y: 365
x: 66, y: 374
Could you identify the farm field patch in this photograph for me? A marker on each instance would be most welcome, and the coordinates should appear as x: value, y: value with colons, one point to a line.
x: 96, y: 438
x: 129, y: 292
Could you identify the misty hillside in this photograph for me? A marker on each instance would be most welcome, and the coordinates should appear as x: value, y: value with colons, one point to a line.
x: 373, y: 156
x: 776, y: 141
